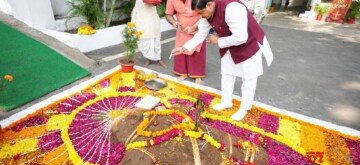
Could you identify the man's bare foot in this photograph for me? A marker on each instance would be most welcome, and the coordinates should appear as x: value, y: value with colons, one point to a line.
x: 198, y: 81
x: 181, y: 78
x: 162, y: 64
x: 147, y: 63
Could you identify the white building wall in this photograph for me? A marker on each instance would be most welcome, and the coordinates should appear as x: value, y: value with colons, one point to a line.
x: 60, y: 7
x: 35, y: 13
x: 5, y: 7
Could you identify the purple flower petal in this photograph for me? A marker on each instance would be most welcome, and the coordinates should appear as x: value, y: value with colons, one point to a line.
x: 354, y: 147
x: 37, y: 120
x: 269, y: 123
x: 50, y: 141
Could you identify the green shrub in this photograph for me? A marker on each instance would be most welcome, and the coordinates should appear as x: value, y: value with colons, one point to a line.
x: 89, y: 9
x: 354, y: 10
x: 161, y: 9
x: 321, y: 9
x: 126, y: 7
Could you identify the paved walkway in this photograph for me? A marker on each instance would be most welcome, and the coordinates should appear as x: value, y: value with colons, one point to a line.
x: 287, y: 20
x: 315, y: 71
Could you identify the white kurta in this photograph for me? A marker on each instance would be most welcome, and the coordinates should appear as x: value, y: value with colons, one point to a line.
x: 249, y: 70
x: 148, y: 22
x: 146, y: 19
x: 236, y: 19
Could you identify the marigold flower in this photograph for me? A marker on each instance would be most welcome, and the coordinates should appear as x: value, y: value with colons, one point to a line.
x: 86, y: 30
x: 8, y: 78
x: 261, y: 139
x: 131, y: 24
x: 138, y: 34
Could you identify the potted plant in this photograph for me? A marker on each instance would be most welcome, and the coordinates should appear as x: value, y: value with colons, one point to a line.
x: 131, y: 37
x: 321, y: 10
x: 354, y: 12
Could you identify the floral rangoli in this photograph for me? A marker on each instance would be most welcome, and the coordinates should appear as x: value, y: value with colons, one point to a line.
x: 101, y: 125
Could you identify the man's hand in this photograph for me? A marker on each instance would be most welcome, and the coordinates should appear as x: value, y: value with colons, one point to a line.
x: 212, y: 39
x: 189, y: 29
x: 178, y: 51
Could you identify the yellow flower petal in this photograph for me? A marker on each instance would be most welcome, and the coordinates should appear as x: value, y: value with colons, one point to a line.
x: 57, y: 122
x: 8, y: 78
x: 23, y: 146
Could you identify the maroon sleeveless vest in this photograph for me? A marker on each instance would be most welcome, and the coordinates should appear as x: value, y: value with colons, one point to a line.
x: 244, y: 51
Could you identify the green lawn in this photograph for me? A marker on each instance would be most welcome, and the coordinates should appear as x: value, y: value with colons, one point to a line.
x: 36, y: 68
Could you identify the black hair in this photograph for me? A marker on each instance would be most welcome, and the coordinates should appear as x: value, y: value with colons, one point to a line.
x: 199, y: 4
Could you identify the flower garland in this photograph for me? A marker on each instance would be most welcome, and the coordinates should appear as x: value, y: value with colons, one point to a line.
x: 186, y: 124
x: 174, y: 133
x: 208, y: 138
x: 177, y: 117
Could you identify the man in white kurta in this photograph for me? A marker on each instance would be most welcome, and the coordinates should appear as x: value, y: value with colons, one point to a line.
x: 248, y: 70
x: 148, y: 22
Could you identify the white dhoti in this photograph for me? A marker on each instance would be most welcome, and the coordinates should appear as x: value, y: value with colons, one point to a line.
x: 248, y: 70
x: 148, y: 22
x: 150, y: 48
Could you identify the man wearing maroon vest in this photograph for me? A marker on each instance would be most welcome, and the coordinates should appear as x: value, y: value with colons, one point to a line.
x: 242, y: 43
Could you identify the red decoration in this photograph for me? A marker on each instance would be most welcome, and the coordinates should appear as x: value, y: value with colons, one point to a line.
x: 338, y: 10
x: 351, y: 21
x: 153, y: 2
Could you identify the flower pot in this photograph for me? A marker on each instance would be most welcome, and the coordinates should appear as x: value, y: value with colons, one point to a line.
x: 127, y: 67
x: 328, y: 19
x: 351, y: 21
x: 318, y: 17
